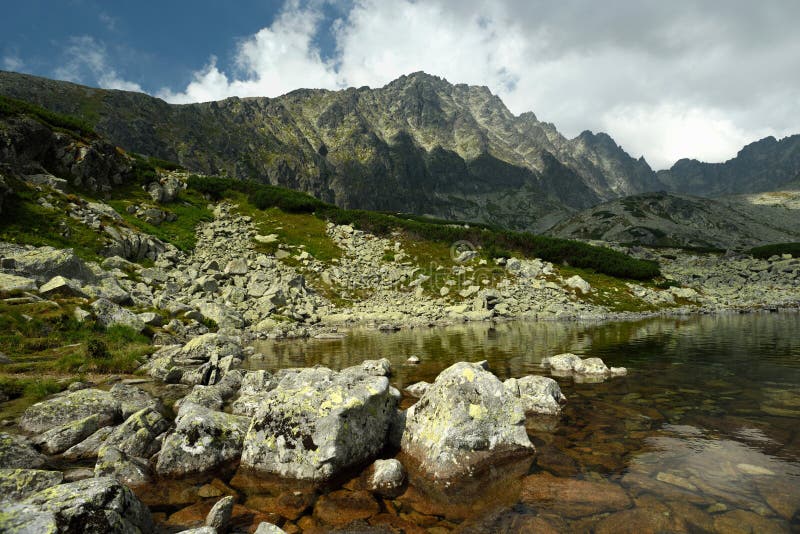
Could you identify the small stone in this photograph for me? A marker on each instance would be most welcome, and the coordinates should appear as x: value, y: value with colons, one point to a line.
x: 387, y: 477
x: 220, y: 514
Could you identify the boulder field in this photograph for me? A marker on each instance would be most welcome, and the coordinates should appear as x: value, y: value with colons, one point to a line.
x: 300, y: 425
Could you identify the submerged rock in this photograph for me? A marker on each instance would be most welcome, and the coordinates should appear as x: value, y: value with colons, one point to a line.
x: 317, y: 422
x: 202, y: 441
x: 74, y: 406
x: 464, y: 422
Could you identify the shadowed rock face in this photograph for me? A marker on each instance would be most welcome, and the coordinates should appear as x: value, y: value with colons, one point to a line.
x: 419, y: 144
x: 666, y: 219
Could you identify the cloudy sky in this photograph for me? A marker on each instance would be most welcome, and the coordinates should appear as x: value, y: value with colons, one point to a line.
x: 665, y: 79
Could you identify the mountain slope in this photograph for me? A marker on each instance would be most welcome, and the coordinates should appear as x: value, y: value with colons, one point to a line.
x: 419, y: 144
x: 664, y: 219
x: 765, y: 165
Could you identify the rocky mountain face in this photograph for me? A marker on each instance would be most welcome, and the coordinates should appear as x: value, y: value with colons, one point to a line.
x: 663, y: 219
x: 765, y: 165
x: 419, y: 144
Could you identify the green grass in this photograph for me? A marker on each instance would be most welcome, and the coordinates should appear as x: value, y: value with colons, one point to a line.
x: 777, y: 249
x: 42, y: 339
x: 608, y: 291
x: 26, y: 222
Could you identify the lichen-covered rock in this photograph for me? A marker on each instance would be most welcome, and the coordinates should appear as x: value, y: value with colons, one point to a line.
x: 73, y: 406
x: 254, y: 385
x: 132, y: 399
x: 94, y: 505
x: 539, y: 394
x: 205, y: 396
x: 418, y: 389
x: 202, y: 361
x: 88, y: 448
x: 202, y: 441
x: 128, y: 470
x: 464, y: 422
x: 138, y: 435
x: 110, y: 314
x: 317, y: 422
x: 27, y: 519
x: 58, y: 439
x: 18, y: 484
x: 16, y: 453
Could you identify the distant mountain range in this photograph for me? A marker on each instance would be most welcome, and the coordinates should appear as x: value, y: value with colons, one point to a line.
x: 419, y: 144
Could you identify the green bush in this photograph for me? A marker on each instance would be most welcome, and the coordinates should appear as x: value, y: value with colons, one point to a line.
x: 12, y: 106
x: 97, y: 350
x: 777, y: 249
x: 165, y: 164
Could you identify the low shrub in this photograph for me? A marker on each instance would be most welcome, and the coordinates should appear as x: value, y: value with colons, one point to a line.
x: 777, y: 249
x: 12, y: 106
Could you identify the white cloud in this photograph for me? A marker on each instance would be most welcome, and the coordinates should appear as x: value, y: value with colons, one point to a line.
x: 85, y: 58
x: 12, y: 62
x: 274, y: 61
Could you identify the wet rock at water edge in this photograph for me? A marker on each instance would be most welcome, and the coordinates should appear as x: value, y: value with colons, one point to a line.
x: 587, y: 369
x: 466, y: 421
x: 316, y: 422
x: 539, y: 394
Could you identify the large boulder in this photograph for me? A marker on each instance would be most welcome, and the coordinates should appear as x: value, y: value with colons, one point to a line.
x: 44, y: 263
x: 317, y: 422
x: 466, y: 421
x: 539, y: 394
x: 73, y: 406
x: 110, y: 314
x: 202, y: 441
x: 16, y: 453
x: 93, y: 505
